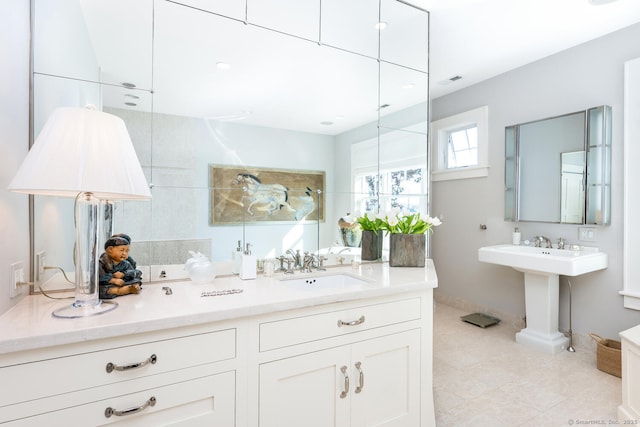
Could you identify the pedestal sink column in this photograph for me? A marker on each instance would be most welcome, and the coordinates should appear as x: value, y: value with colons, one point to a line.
x: 542, y: 297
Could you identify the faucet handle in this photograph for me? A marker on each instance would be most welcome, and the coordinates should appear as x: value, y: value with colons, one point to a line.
x: 561, y: 243
x: 321, y: 260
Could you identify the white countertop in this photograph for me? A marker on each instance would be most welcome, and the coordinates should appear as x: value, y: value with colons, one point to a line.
x: 632, y: 335
x: 30, y: 325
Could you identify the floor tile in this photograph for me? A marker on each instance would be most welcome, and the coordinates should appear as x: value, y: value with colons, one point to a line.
x: 482, y: 377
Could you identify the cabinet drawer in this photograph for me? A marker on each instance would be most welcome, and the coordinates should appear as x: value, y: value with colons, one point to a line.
x: 208, y: 400
x: 298, y: 330
x: 79, y: 371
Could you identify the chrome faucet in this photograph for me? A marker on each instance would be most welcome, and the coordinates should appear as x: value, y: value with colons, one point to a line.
x: 297, y: 259
x: 307, y: 262
x: 539, y: 240
x: 560, y: 243
x: 320, y: 266
x: 290, y: 266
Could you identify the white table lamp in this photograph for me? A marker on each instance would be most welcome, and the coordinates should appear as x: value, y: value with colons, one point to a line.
x: 86, y: 154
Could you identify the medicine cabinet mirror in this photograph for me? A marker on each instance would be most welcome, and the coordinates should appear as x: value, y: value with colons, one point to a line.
x: 558, y: 170
x: 235, y: 83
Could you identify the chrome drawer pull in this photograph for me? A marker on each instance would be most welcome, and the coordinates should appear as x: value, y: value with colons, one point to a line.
x: 361, y: 378
x: 113, y: 367
x: 110, y: 411
x: 346, y: 382
x: 360, y: 321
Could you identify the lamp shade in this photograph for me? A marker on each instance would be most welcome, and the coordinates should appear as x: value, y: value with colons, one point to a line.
x: 82, y: 150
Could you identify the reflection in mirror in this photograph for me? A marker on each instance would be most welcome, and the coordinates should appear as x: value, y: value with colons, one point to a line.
x: 107, y: 41
x: 351, y: 25
x: 572, y: 172
x: 399, y: 87
x: 396, y: 175
x: 404, y: 36
x: 550, y: 164
x: 282, y: 103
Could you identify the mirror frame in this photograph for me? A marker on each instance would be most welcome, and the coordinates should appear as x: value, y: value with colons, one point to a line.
x: 597, y: 189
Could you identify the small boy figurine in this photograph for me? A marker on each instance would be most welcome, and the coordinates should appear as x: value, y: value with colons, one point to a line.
x: 128, y: 239
x: 117, y: 275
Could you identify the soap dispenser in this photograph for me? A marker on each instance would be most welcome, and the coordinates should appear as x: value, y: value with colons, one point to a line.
x: 235, y: 257
x: 248, y: 264
x: 516, y: 236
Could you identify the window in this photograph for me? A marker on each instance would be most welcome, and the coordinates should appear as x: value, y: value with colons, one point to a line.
x: 390, y: 171
x: 460, y: 146
x: 403, y: 188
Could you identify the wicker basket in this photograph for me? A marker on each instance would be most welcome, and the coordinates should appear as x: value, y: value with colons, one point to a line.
x: 609, y: 355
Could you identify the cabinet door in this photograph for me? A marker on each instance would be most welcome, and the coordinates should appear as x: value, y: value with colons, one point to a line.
x: 387, y: 370
x: 306, y: 390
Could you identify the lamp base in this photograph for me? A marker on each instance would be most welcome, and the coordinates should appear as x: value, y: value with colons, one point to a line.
x: 74, y: 311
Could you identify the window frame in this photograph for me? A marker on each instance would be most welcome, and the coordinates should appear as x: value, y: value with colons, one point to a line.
x: 440, y: 130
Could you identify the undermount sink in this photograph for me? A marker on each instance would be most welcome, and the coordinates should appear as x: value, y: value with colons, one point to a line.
x: 542, y: 268
x: 545, y: 261
x: 325, y: 281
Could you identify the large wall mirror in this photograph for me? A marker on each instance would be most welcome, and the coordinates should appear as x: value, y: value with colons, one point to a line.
x: 558, y: 169
x: 208, y: 85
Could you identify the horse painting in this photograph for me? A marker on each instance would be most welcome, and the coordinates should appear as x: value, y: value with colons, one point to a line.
x: 263, y: 197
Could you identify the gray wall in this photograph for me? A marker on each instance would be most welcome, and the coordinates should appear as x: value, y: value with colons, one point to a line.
x: 578, y: 78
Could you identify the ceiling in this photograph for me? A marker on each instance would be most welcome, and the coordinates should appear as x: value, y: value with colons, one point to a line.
x: 480, y: 39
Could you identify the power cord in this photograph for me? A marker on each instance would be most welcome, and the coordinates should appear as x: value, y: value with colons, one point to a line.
x: 43, y: 291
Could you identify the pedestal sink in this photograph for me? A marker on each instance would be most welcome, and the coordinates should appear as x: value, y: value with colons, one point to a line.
x: 542, y: 268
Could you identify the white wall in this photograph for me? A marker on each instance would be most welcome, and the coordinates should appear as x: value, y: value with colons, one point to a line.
x: 14, y: 138
x: 584, y: 76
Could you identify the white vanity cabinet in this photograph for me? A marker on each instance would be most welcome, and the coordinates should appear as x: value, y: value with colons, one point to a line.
x: 629, y: 410
x: 269, y: 356
x: 360, y: 366
x: 161, y: 378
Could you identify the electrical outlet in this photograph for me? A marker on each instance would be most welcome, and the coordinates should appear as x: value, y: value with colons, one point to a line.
x: 17, y: 276
x: 587, y: 234
x: 41, y: 260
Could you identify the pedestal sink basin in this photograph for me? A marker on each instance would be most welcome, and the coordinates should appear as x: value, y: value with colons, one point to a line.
x: 545, y: 260
x: 542, y: 268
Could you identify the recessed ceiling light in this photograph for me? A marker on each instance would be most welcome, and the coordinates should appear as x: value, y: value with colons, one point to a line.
x: 381, y: 25
x: 408, y: 86
x: 223, y: 65
x: 339, y: 117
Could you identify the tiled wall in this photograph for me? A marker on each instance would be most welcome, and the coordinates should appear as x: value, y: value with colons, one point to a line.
x: 168, y: 252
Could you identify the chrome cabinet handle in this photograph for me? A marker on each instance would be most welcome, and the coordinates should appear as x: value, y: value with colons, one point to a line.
x: 110, y: 411
x: 360, y: 321
x: 346, y: 382
x: 360, y: 378
x: 113, y: 367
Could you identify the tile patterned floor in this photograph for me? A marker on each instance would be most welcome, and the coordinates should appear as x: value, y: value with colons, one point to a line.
x: 482, y: 377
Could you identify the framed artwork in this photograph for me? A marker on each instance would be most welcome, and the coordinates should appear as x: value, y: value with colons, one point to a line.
x: 253, y: 195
